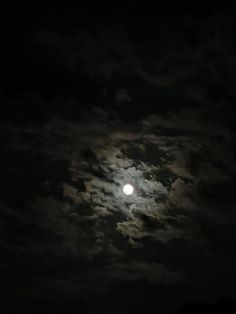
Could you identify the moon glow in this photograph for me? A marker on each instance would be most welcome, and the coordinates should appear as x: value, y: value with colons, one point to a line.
x: 128, y: 189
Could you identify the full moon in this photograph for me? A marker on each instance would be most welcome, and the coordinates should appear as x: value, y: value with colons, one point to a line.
x: 128, y: 189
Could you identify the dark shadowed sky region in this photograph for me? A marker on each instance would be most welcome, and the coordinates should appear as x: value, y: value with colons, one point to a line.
x: 93, y: 98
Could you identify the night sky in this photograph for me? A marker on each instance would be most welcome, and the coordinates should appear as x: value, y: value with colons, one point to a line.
x: 93, y: 98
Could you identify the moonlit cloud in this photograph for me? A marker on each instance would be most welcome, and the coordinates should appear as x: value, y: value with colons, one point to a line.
x: 101, y: 158
x: 155, y: 122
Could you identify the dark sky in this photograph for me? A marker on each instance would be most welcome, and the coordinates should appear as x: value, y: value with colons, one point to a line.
x: 92, y: 98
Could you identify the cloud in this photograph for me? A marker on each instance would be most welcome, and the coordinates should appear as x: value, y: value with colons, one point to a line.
x: 180, y: 195
x: 136, y: 270
x: 100, y: 52
x: 151, y: 128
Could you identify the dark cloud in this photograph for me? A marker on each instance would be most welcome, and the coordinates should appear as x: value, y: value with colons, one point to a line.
x: 116, y: 108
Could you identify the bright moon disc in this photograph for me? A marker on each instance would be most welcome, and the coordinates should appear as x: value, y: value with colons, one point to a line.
x: 128, y: 189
